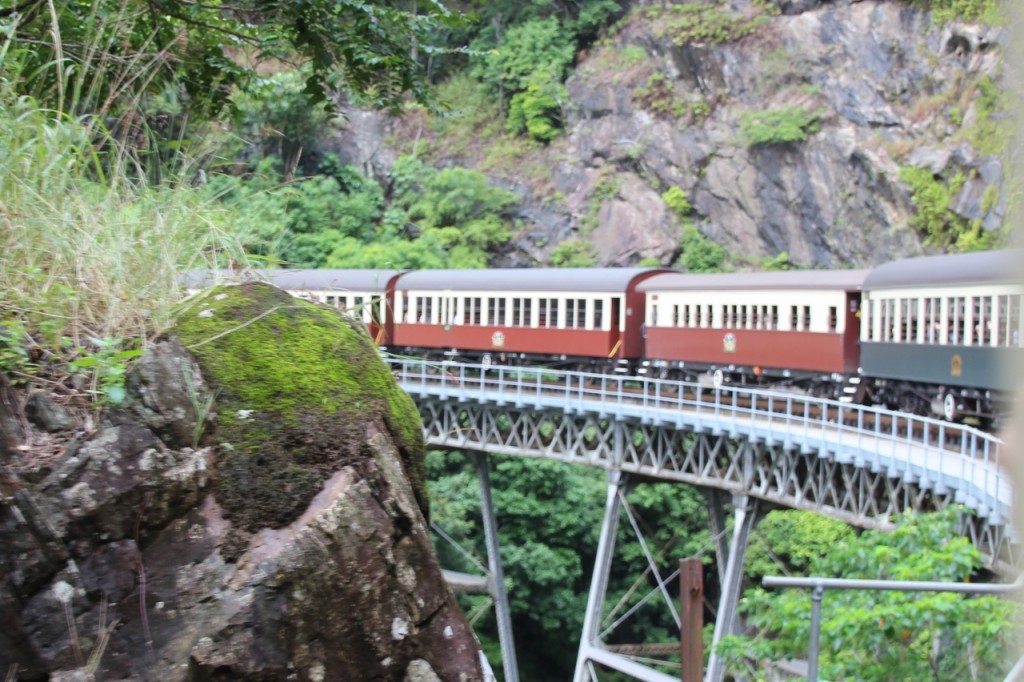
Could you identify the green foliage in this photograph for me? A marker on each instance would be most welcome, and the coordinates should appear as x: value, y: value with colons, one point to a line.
x: 699, y: 22
x: 932, y: 199
x: 871, y: 635
x: 573, y: 253
x: 105, y: 57
x: 777, y: 263
x: 549, y: 515
x: 944, y: 11
x: 700, y: 254
x: 538, y: 110
x: 659, y: 96
x: 786, y: 542
x: 276, y: 114
x: 675, y: 199
x: 537, y: 45
x: 15, y: 360
x: 432, y: 219
x: 90, y: 247
x: 108, y: 365
x: 779, y: 126
x: 993, y: 129
x: 529, y: 64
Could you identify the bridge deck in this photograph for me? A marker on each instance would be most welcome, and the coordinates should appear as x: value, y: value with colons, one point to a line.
x: 867, y: 453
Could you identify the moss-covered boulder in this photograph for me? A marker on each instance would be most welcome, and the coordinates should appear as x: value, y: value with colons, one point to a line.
x: 296, y: 384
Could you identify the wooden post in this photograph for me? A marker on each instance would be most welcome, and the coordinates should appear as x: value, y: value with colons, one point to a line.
x: 691, y: 629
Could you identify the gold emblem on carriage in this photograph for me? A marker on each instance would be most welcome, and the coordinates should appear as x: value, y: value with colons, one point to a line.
x: 956, y: 365
x: 729, y: 343
x: 497, y: 340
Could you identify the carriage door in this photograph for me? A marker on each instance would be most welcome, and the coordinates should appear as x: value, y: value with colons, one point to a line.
x: 615, y: 339
x: 851, y: 335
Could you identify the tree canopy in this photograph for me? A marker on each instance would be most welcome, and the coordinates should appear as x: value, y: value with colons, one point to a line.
x: 110, y: 51
x: 880, y: 636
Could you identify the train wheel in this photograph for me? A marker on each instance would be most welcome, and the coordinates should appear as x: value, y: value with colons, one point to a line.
x: 718, y: 378
x: 950, y: 409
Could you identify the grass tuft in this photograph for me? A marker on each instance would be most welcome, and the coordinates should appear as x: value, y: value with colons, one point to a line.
x: 92, y: 249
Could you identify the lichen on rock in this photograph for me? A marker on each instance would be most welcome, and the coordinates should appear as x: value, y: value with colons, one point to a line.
x: 295, y: 384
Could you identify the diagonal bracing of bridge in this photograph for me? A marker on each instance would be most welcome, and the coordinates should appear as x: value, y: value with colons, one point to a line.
x: 859, y: 464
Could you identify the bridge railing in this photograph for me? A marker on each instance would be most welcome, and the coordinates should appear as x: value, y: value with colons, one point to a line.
x: 931, y: 452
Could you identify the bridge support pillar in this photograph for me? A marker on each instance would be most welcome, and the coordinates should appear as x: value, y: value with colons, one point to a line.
x: 497, y: 581
x: 744, y: 518
x: 599, y: 582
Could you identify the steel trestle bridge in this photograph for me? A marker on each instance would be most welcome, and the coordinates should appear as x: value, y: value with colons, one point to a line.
x: 854, y: 463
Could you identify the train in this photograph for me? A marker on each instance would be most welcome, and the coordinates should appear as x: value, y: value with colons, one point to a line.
x: 932, y: 335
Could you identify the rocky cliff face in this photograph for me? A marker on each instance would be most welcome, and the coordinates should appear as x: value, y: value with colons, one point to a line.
x: 678, y: 96
x: 240, y: 520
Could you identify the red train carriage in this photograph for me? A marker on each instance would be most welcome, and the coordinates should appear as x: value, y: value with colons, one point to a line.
x: 573, y: 317
x: 795, y: 328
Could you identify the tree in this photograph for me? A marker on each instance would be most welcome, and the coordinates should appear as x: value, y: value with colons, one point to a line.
x: 700, y: 254
x: 110, y: 55
x: 888, y: 636
x: 549, y: 515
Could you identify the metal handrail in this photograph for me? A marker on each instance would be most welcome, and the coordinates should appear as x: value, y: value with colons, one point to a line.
x: 819, y: 585
x: 930, y: 451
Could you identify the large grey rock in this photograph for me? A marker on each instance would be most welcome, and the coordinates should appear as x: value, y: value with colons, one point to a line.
x: 166, y: 391
x: 117, y: 564
x: 46, y: 414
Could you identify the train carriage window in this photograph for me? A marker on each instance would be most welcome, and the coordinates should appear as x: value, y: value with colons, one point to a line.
x: 697, y: 321
x: 908, y: 320
x: 517, y: 311
x: 794, y: 319
x: 807, y: 319
x: 956, y: 317
x: 982, y: 319
x: 888, y: 319
x: 599, y: 313
x: 581, y: 313
x: 833, y: 318
x: 743, y: 317
x: 1001, y: 321
x: 502, y: 312
x: 527, y: 312
x: 1013, y: 321
x: 685, y: 321
x: 553, y: 312
x: 570, y: 313
x: 931, y: 321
